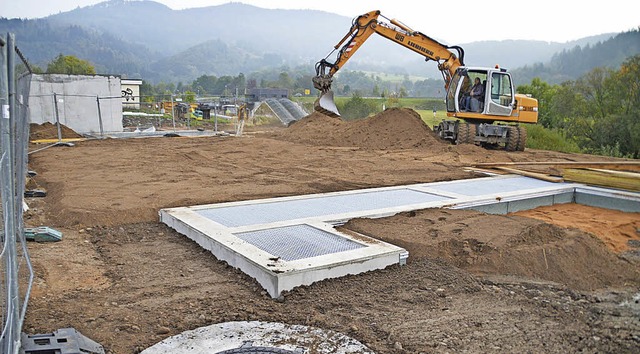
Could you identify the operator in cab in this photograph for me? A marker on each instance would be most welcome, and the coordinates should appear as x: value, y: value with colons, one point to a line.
x: 477, y: 91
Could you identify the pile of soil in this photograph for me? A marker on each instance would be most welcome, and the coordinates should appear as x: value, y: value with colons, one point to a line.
x: 505, y: 245
x: 619, y: 230
x: 49, y: 130
x: 394, y: 128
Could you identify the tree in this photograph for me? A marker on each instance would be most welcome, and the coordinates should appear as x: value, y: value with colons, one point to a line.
x: 284, y: 81
x: 629, y: 85
x: 600, y: 110
x: 147, y: 92
x: 544, y: 93
x: 376, y: 91
x: 402, y: 93
x: 565, y: 104
x: 596, y: 87
x: 68, y: 64
x: 207, y: 83
x: 356, y: 107
x: 190, y: 96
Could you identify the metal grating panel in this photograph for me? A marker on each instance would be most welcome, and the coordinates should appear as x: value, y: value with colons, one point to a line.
x: 298, y: 242
x: 264, y: 213
x: 484, y: 186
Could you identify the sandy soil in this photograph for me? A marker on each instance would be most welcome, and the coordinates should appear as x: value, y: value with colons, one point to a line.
x: 557, y: 279
x: 50, y: 131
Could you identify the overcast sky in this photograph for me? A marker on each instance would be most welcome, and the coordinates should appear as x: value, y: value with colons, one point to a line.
x: 458, y: 21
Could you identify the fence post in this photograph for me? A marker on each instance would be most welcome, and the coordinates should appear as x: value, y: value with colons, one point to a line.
x: 100, y: 117
x: 10, y: 339
x: 173, y: 118
x: 55, y: 105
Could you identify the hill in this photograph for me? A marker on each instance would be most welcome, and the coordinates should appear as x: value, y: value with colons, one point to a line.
x: 149, y: 40
x: 571, y: 63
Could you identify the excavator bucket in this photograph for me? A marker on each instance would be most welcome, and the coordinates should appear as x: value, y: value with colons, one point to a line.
x: 325, y: 105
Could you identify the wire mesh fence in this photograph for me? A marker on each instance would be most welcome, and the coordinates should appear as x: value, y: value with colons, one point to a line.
x: 15, y: 266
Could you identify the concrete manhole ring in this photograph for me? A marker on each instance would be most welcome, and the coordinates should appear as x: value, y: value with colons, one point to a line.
x: 256, y: 337
x: 257, y: 350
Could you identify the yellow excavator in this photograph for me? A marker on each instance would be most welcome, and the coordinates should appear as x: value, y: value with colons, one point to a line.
x: 474, y: 118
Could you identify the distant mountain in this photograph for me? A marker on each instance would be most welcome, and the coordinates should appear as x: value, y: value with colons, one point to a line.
x: 167, y: 31
x: 519, y: 53
x: 145, y: 39
x: 213, y: 57
x: 41, y: 41
x: 571, y: 63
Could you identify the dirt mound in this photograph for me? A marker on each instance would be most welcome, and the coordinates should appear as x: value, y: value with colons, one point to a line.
x: 50, y: 131
x: 395, y: 128
x: 504, y: 245
x: 618, y: 230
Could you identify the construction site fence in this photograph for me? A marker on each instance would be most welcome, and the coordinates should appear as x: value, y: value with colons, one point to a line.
x: 15, y: 266
x: 99, y: 116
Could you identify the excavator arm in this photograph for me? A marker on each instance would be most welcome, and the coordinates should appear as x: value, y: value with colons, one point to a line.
x: 448, y: 58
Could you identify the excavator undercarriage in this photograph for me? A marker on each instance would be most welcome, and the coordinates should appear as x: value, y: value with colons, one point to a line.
x: 512, y: 138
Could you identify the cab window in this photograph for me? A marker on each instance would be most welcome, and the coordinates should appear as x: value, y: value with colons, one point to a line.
x: 451, y: 93
x: 501, y: 89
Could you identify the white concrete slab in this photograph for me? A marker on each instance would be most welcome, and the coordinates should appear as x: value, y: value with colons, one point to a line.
x: 291, y: 241
x: 277, y: 273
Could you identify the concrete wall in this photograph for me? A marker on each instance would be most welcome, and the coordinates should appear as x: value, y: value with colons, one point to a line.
x: 77, y: 103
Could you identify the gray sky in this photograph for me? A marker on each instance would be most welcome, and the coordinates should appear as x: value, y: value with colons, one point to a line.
x: 546, y: 20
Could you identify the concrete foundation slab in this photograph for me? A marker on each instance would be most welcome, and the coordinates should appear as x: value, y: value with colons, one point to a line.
x: 291, y: 241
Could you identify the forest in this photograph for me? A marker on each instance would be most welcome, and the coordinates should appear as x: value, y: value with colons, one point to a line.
x: 600, y: 111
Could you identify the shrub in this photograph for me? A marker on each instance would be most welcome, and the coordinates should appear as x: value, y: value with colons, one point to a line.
x: 539, y: 137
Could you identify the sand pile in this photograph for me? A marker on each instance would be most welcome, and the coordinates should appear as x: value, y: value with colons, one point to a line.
x: 50, y: 131
x: 504, y: 245
x: 395, y: 128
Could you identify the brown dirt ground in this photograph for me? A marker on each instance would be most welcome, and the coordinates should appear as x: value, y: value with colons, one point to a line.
x: 539, y: 281
x: 50, y: 131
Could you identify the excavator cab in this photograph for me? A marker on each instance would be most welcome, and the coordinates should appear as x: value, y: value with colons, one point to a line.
x: 498, y: 93
x: 474, y: 123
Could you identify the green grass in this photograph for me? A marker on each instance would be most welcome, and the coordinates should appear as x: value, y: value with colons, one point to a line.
x: 541, y: 138
x: 427, y: 117
x: 394, y: 78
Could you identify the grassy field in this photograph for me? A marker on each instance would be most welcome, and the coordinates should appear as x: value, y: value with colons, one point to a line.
x: 394, y: 78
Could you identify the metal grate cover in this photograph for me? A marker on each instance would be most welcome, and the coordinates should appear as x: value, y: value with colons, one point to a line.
x: 264, y: 213
x: 484, y: 186
x: 298, y: 242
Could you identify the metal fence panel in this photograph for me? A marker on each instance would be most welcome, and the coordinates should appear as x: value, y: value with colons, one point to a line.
x: 15, y: 266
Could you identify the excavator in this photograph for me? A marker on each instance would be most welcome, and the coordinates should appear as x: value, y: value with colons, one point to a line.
x: 489, y: 120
